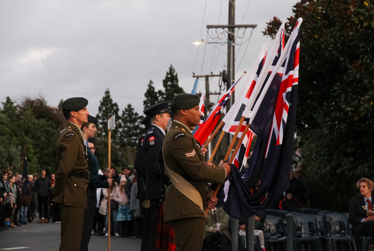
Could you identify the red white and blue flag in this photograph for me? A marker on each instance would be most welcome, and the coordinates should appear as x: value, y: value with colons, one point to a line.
x: 210, y: 122
x: 273, y: 120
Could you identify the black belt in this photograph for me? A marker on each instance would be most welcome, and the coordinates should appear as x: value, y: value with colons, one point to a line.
x: 81, y: 175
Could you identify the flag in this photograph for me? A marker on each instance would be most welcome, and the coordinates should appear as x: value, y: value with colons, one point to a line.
x: 210, y: 122
x: 195, y: 86
x: 241, y: 157
x: 268, y: 174
x: 235, y: 113
x: 202, y: 110
x: 25, y: 179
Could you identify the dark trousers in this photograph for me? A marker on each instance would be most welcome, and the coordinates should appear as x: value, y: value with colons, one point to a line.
x: 150, y: 224
x: 88, y: 219
x: 71, y: 227
x: 16, y: 212
x: 138, y: 227
x: 96, y: 221
x: 43, y: 207
x: 212, y: 238
x: 189, y: 233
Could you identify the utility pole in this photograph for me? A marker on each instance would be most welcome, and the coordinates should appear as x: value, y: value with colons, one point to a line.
x: 207, y: 89
x: 230, y: 81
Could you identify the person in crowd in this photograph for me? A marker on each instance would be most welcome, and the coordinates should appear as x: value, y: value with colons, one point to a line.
x: 95, y: 180
x: 289, y: 202
x: 102, y: 207
x: 124, y: 215
x: 55, y: 211
x: 42, y: 186
x: 72, y: 174
x: 10, y: 205
x: 216, y: 230
x: 299, y: 175
x: 297, y: 188
x: 99, y: 219
x: 126, y: 171
x: 113, y: 210
x: 258, y: 231
x: 361, y: 214
x: 135, y: 208
x: 17, y: 183
x: 159, y: 115
x: 24, y: 202
x: 187, y: 199
x: 33, y: 202
x: 3, y: 196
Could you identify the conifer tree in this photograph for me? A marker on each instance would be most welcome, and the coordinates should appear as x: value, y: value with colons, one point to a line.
x: 151, y: 96
x: 130, y: 127
x: 171, y: 86
x: 107, y: 109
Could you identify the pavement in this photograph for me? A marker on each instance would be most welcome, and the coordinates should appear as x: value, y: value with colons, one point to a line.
x: 46, y: 237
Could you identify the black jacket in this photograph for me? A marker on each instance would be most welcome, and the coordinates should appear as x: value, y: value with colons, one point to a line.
x: 42, y: 186
x: 155, y: 174
x: 357, y: 210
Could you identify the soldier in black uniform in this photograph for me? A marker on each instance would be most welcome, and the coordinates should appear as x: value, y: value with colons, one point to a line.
x: 72, y: 175
x: 96, y: 181
x: 159, y: 115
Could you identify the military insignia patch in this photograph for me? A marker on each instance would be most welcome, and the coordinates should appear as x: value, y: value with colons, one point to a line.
x: 191, y: 154
x: 151, y: 140
x: 69, y: 135
x: 181, y: 134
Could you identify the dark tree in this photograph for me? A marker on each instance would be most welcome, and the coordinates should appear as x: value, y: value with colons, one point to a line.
x: 107, y: 109
x: 130, y: 127
x: 151, y: 96
x: 171, y: 86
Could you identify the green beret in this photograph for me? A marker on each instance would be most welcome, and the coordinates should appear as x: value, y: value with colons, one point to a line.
x: 74, y: 104
x: 158, y: 108
x: 185, y: 101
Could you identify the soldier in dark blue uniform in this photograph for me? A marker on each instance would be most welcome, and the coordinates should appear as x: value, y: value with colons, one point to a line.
x: 95, y: 181
x: 155, y: 177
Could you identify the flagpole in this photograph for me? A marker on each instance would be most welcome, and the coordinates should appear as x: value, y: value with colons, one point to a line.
x: 239, y: 143
x: 109, y: 165
x: 234, y: 138
x: 213, y: 134
x: 228, y: 154
x: 216, y: 147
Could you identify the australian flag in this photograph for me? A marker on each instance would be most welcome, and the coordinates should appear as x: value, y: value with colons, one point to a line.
x: 273, y: 120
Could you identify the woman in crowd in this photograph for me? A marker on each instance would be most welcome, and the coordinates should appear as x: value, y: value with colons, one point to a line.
x: 10, y: 205
x: 113, y: 204
x: 124, y: 215
x: 25, y: 200
x: 2, y: 201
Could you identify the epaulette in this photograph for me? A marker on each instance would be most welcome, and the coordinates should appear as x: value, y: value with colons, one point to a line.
x: 180, y: 134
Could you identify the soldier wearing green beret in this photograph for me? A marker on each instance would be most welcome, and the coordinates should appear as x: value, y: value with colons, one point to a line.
x: 188, y: 196
x: 72, y: 175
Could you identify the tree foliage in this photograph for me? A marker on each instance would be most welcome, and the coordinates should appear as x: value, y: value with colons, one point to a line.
x: 107, y: 109
x: 336, y: 95
x: 151, y: 96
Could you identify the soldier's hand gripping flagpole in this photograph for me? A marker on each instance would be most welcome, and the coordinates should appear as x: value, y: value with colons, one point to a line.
x: 111, y: 126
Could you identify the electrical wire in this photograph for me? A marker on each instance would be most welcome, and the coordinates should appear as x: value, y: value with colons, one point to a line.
x: 201, y: 33
x: 245, y: 51
x: 202, y: 65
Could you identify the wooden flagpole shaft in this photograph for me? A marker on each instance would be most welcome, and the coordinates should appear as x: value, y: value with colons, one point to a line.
x: 216, y: 147
x: 228, y: 153
x: 109, y: 165
x: 234, y: 138
x: 213, y: 134
x: 239, y: 143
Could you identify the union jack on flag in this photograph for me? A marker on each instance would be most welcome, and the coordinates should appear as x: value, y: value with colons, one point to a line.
x: 273, y: 120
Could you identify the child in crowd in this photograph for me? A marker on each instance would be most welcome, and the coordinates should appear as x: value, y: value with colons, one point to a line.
x: 124, y: 215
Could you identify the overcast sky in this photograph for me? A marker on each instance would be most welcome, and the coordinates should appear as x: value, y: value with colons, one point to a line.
x: 65, y: 48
